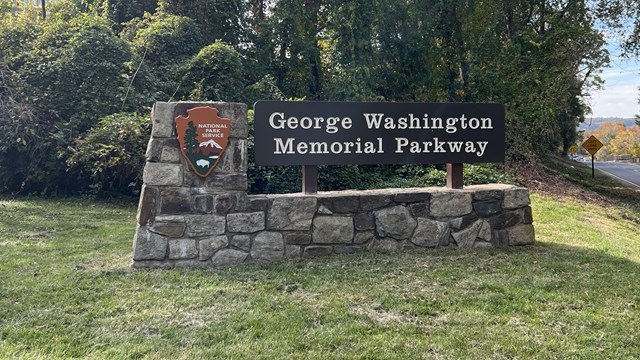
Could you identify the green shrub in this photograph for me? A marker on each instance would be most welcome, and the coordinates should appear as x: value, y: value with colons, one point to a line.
x: 485, y: 174
x: 215, y: 73
x: 112, y: 154
x: 163, y: 44
x: 69, y: 72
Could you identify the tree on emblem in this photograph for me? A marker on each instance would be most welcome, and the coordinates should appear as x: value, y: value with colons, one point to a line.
x: 191, y: 142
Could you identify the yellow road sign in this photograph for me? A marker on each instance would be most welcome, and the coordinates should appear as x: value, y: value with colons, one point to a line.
x: 573, y: 149
x: 592, y: 145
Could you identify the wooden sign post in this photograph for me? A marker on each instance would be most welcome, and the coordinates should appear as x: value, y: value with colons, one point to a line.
x: 455, y: 178
x: 310, y: 179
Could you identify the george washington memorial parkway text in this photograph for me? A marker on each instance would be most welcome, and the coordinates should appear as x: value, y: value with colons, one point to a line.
x: 337, y: 133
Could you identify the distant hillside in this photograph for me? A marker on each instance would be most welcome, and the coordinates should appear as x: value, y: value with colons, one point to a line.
x: 594, y: 123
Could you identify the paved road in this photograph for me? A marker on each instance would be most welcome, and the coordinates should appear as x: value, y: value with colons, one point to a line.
x: 630, y: 173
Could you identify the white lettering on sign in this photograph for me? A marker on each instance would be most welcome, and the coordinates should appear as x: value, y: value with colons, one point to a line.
x: 411, y: 122
x: 437, y: 146
x: 290, y: 146
x: 278, y: 121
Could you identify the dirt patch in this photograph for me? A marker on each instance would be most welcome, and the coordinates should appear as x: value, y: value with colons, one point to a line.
x: 536, y: 176
x: 377, y: 314
x: 33, y: 235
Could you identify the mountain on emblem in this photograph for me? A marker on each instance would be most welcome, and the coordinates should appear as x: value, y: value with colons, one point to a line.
x: 210, y: 143
x: 203, y: 137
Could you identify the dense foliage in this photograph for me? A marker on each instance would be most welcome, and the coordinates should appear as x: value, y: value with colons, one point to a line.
x: 64, y: 77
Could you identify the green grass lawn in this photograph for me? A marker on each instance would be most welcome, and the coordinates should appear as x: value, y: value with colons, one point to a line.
x: 67, y: 291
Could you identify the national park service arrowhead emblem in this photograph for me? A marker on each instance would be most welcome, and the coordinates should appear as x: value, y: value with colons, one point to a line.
x: 203, y: 136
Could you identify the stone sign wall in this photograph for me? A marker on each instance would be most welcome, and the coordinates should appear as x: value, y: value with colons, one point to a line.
x: 187, y: 220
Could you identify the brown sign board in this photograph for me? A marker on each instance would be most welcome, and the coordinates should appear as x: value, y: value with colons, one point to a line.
x: 592, y: 145
x: 339, y: 133
x: 203, y: 137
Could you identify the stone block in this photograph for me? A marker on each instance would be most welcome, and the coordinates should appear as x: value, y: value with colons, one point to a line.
x: 190, y: 179
x: 527, y: 215
x: 317, y: 251
x: 203, y: 204
x: 488, y: 192
x: 332, y: 229
x: 487, y: 208
x: 291, y: 213
x: 205, y: 225
x: 450, y: 204
x: 170, y: 154
x: 182, y: 249
x: 257, y: 204
x: 225, y: 164
x: 175, y: 201
x: 211, y: 245
x: 242, y: 242
x: 298, y: 238
x: 344, y: 204
x: 163, y: 119
x: 363, y: 237
x: 228, y: 257
x: 158, y: 147
x: 465, y: 238
x: 148, y: 245
x: 323, y: 210
x: 487, y: 195
x: 523, y: 234
x: 431, y: 233
x: 234, y: 159
x: 500, y: 238
x: 267, y: 246
x: 516, y: 198
x: 240, y: 158
x: 463, y: 221
x: 224, y: 203
x: 245, y: 222
x: 505, y: 220
x: 364, y: 221
x: 412, y: 197
x: 170, y: 218
x: 395, y: 222
x: 485, y: 232
x: 161, y: 174
x: 420, y: 209
x: 226, y: 181
x: 370, y: 202
x: 293, y: 251
x: 172, y: 229
x: 147, y: 205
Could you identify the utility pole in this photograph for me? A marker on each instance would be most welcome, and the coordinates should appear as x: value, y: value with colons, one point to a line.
x: 44, y: 9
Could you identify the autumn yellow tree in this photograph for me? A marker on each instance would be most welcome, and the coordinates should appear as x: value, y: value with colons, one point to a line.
x: 626, y: 142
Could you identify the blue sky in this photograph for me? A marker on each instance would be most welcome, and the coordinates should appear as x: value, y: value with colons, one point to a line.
x: 619, y: 98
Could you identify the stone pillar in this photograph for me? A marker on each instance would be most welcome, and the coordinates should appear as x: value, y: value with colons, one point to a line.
x: 181, y: 216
